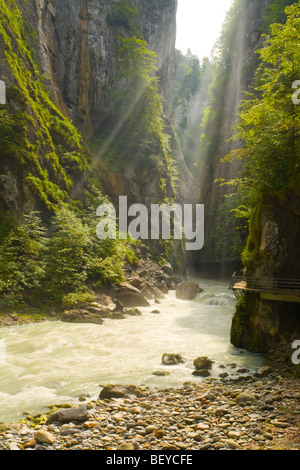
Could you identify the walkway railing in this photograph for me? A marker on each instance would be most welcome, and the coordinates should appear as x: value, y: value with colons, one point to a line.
x: 275, y: 286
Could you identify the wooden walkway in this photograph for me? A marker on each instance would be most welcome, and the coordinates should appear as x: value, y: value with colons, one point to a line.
x: 280, y: 290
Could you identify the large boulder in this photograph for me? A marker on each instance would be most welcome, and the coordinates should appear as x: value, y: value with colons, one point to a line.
x: 130, y: 296
x: 187, y: 290
x: 82, y: 316
x: 68, y: 415
x: 203, y: 363
x: 167, y: 268
x: 172, y: 359
x: 201, y: 373
x: 119, y: 391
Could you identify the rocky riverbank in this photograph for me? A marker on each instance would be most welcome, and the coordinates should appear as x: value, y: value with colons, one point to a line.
x: 144, y: 280
x: 261, y: 413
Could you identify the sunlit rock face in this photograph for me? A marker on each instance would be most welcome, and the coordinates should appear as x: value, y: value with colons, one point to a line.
x: 243, y: 62
x: 75, y: 47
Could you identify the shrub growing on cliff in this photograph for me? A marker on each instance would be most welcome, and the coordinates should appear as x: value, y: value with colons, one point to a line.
x: 76, y: 259
x: 60, y: 265
x: 66, y: 261
x: 22, y: 261
x: 31, y: 126
x: 269, y: 122
x: 139, y: 104
x: 124, y: 14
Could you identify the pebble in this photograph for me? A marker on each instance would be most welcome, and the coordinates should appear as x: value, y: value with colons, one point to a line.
x: 214, y: 415
x: 44, y: 437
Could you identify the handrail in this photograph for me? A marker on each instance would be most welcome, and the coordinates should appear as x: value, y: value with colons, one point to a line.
x: 264, y: 284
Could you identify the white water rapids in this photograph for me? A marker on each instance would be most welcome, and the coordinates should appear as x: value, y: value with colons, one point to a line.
x: 53, y: 362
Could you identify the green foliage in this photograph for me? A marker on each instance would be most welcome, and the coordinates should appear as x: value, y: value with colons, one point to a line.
x: 187, y: 78
x: 135, y: 131
x: 274, y: 12
x: 139, y: 105
x: 31, y: 126
x: 269, y: 122
x: 124, y: 14
x: 66, y: 262
x: 269, y: 125
x: 74, y: 299
x: 60, y: 265
x: 22, y: 260
x: 191, y: 82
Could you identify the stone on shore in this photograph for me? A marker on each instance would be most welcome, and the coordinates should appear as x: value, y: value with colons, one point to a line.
x: 263, y: 371
x: 199, y: 415
x: 245, y: 397
x: 44, y: 437
x: 68, y: 415
x: 119, y: 391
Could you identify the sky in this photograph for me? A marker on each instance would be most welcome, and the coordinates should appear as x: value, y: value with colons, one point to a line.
x: 199, y: 23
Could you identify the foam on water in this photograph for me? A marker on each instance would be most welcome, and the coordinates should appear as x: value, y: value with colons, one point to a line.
x: 53, y: 362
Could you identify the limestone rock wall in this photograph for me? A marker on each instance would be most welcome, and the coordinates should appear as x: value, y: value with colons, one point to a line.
x: 75, y: 48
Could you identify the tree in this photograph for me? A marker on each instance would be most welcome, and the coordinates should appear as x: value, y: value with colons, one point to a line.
x: 269, y: 126
x: 139, y: 105
x: 275, y: 13
x: 269, y: 121
x: 22, y: 260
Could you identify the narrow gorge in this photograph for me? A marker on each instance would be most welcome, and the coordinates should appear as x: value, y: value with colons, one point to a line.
x: 98, y: 104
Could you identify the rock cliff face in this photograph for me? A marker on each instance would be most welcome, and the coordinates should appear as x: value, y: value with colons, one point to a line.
x: 259, y: 325
x: 74, y: 44
x: 270, y: 324
x: 262, y: 325
x: 242, y: 66
x: 78, y: 50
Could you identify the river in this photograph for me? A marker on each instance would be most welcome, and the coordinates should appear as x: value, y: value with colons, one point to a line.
x: 54, y: 363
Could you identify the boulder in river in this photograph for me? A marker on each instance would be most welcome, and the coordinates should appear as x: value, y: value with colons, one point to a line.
x: 201, y: 373
x: 130, y: 296
x: 172, y: 359
x: 134, y: 312
x: 187, y: 290
x: 203, y: 362
x: 82, y: 316
x: 161, y: 373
